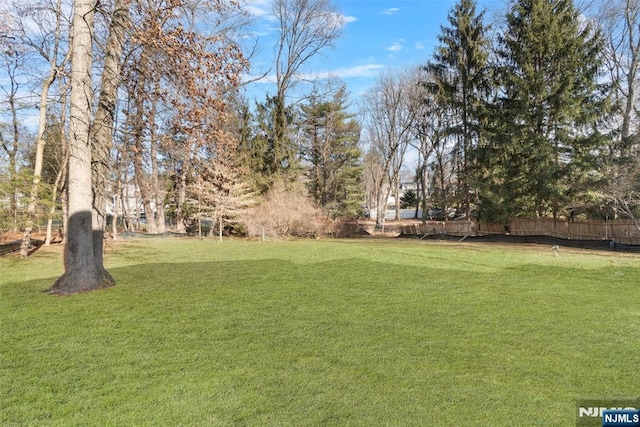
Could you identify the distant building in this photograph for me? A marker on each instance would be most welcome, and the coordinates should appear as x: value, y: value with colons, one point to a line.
x: 128, y: 203
x: 409, y: 185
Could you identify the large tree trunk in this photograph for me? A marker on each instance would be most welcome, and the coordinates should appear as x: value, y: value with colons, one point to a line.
x: 80, y: 266
x: 102, y: 131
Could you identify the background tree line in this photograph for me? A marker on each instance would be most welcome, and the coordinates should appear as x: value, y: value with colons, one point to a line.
x: 180, y: 137
x: 533, y: 114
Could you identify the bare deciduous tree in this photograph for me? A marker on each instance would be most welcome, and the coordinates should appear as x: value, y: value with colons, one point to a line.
x: 13, y: 58
x: 620, y: 19
x: 390, y: 121
x: 429, y: 131
x: 177, y: 82
x: 306, y: 27
x: 50, y: 46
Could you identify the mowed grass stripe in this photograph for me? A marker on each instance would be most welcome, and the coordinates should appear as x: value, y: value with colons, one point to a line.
x: 361, y: 332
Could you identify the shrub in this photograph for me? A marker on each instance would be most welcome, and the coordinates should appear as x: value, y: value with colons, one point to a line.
x: 286, y: 210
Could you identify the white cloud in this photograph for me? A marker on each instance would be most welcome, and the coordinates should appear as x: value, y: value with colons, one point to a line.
x: 260, y: 8
x: 390, y: 11
x: 263, y: 9
x: 367, y: 70
x: 419, y: 46
x: 395, y: 47
x: 358, y: 71
x: 348, y: 19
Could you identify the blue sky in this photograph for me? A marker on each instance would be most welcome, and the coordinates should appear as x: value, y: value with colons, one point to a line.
x: 378, y: 35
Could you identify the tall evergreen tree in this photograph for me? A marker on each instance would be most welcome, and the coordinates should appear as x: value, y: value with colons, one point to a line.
x: 550, y: 103
x: 331, y: 148
x: 460, y: 71
x: 261, y: 150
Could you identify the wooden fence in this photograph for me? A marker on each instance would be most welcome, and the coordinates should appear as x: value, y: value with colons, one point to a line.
x: 454, y: 228
x: 622, y: 231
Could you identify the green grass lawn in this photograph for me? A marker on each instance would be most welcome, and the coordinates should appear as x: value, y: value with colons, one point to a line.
x: 329, y: 332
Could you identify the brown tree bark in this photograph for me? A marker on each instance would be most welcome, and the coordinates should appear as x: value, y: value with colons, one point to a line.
x: 80, y: 268
x: 102, y: 130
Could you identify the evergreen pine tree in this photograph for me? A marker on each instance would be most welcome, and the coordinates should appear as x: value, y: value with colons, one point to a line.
x: 460, y: 71
x: 265, y: 156
x: 331, y: 149
x: 550, y: 101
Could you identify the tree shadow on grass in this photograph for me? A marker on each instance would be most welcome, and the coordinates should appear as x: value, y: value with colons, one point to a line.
x: 248, y: 274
